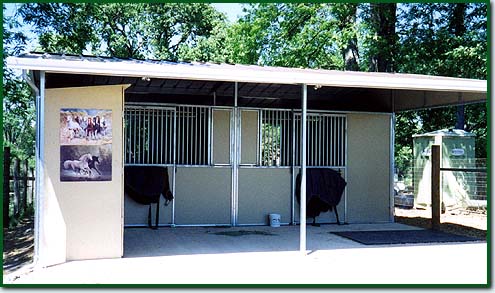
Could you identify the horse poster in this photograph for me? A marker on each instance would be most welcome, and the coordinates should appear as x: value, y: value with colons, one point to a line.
x: 85, y: 145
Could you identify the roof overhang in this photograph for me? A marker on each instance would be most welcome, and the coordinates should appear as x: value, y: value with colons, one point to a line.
x: 410, y: 91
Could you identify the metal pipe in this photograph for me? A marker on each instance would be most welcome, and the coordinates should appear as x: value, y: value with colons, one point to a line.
x: 302, y: 218
x: 259, y: 139
x: 147, y: 133
x: 174, y: 154
x: 346, y: 166
x: 391, y: 184
x: 210, y: 134
x: 153, y: 134
x: 200, y: 135
x: 40, y: 140
x: 293, y: 168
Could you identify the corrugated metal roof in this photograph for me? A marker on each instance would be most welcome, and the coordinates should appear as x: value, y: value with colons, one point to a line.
x: 446, y: 132
x: 241, y: 73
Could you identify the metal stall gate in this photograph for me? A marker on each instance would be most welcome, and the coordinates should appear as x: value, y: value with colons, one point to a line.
x: 270, y: 161
x: 150, y: 140
x: 181, y: 138
x: 230, y: 166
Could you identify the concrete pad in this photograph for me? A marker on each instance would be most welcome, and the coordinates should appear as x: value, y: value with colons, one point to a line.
x: 266, y: 255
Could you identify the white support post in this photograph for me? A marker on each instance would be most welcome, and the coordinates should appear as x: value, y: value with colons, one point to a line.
x: 302, y: 213
x: 40, y: 141
x: 235, y: 157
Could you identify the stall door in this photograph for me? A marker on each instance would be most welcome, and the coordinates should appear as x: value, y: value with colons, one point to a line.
x: 149, y: 141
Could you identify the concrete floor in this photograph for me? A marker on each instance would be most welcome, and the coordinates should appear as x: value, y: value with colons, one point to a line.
x: 270, y: 256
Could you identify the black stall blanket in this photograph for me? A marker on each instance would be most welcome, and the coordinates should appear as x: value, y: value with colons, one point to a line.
x: 324, y: 189
x: 145, y: 184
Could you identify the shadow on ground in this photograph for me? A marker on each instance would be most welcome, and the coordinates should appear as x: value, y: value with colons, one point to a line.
x: 18, y: 245
x: 445, y: 227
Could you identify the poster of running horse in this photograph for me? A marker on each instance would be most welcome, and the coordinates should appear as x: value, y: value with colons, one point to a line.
x: 85, y: 145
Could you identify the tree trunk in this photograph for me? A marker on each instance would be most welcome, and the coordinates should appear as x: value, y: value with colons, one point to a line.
x: 25, y: 185
x: 346, y: 15
x: 458, y: 28
x: 6, y: 186
x: 383, y: 19
x: 17, y: 190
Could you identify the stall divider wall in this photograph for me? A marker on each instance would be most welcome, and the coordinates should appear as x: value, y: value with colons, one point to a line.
x: 81, y: 220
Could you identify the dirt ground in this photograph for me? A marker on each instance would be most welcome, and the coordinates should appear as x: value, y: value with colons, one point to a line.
x: 19, y: 241
x: 18, y: 245
x: 472, y: 223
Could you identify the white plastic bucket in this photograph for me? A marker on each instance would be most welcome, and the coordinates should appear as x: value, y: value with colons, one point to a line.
x: 274, y: 220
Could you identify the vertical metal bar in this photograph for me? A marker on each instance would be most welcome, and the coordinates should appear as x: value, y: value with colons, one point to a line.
x: 182, y: 138
x: 174, y: 130
x: 324, y: 145
x: 297, y: 137
x: 287, y: 138
x: 392, y: 159
x: 174, y: 160
x: 346, y: 168
x: 320, y: 141
x: 174, y: 135
x: 277, y: 137
x: 140, y: 132
x: 39, y: 218
x: 312, y: 140
x: 332, y: 141
x: 341, y: 145
x: 153, y: 136
x: 260, y: 137
x: 162, y: 132
x: 195, y: 136
x: 337, y: 151
x: 318, y: 136
x: 262, y: 142
x: 302, y: 218
x: 210, y: 148
x: 187, y: 128
x: 148, y: 132
x: 134, y: 145
x: 200, y: 135
x: 167, y: 138
x: 293, y: 183
x: 341, y: 140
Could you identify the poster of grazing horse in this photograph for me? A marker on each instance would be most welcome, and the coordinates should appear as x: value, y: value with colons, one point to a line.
x: 85, y: 144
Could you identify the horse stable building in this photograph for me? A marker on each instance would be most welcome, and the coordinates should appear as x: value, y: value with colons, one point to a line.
x: 231, y: 139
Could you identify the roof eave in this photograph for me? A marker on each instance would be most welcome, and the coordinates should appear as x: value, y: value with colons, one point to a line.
x: 256, y: 74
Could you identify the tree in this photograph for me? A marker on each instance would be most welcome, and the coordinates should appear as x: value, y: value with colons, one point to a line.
x: 18, y: 104
x: 382, y: 19
x: 346, y: 18
x: 448, y: 40
x: 125, y: 30
x: 297, y: 35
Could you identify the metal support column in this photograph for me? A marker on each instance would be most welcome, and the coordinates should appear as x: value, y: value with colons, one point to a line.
x: 293, y: 174
x: 235, y: 158
x: 392, y: 167
x: 40, y: 157
x: 302, y: 217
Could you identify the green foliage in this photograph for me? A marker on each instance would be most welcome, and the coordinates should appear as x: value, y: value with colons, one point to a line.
x: 287, y: 34
x: 18, y: 104
x: 125, y: 30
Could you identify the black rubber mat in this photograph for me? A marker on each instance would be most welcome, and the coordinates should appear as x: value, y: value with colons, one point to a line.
x: 403, y: 237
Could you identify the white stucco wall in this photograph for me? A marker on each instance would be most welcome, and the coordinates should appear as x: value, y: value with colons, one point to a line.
x: 81, y: 220
x: 368, y: 179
